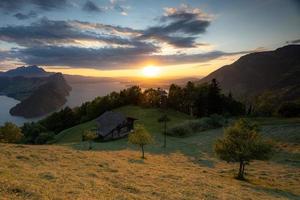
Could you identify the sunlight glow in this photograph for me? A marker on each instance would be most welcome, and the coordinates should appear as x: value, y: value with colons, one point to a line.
x: 151, y: 71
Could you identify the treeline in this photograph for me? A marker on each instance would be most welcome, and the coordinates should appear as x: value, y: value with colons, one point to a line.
x: 271, y: 104
x: 197, y: 100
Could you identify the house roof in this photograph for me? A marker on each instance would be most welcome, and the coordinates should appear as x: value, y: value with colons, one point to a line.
x: 108, y: 121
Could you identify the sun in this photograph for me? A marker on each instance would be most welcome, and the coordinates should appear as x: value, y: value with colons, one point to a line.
x: 151, y: 71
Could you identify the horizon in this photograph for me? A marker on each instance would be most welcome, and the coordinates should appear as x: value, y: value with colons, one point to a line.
x: 123, y: 38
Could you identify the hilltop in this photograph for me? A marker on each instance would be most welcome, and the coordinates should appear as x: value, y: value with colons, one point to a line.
x: 277, y: 71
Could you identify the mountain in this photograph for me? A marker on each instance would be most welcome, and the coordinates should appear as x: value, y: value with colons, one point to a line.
x: 29, y: 71
x: 276, y: 71
x: 46, y: 98
x: 20, y: 87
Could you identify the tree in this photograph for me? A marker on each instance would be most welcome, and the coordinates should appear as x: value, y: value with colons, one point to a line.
x: 10, y: 133
x: 189, y: 97
x: 140, y: 137
x: 214, y: 99
x: 242, y: 143
x: 175, y: 97
x: 164, y: 119
x: 32, y: 131
x: 89, y: 136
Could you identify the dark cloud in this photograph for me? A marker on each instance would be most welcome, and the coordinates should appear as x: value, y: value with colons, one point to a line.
x: 14, y: 5
x: 84, y: 57
x: 108, y: 58
x: 180, y: 27
x: 90, y: 6
x: 24, y: 16
x: 93, y: 45
x: 48, y: 32
x: 293, y: 41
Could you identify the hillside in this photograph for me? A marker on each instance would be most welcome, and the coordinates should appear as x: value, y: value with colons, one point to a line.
x: 252, y: 74
x: 19, y: 87
x: 46, y: 98
x: 285, y: 131
x: 57, y: 172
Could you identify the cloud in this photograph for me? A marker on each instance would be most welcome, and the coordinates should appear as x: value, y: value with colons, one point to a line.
x: 24, y: 16
x: 75, y: 43
x: 14, y: 5
x: 180, y: 27
x: 121, y: 9
x: 109, y: 58
x: 105, y: 58
x: 293, y: 41
x: 49, y: 32
x: 90, y: 6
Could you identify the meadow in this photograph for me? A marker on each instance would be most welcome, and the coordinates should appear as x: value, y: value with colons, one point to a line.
x: 186, y: 169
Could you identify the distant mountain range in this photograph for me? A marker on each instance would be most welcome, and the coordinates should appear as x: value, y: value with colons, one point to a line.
x: 29, y: 71
x: 276, y: 71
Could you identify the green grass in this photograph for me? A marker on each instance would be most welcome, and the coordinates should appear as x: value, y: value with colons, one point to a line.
x: 199, y: 145
x: 74, y: 134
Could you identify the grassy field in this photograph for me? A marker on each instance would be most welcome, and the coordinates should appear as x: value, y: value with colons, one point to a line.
x: 187, y: 169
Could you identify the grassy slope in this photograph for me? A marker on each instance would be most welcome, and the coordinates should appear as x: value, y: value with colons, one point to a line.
x: 187, y: 169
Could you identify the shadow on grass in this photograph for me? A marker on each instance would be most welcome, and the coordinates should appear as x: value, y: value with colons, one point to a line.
x: 287, y: 158
x: 276, y: 192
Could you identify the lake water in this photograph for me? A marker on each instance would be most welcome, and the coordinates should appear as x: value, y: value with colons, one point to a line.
x: 80, y: 93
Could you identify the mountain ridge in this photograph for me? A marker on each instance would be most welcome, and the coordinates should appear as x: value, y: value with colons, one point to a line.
x: 258, y: 72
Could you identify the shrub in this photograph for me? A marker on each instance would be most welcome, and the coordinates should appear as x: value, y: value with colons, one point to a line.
x: 181, y: 130
x: 10, y: 133
x: 217, y: 121
x: 89, y: 136
x: 289, y: 109
x: 44, y: 138
x: 193, y: 126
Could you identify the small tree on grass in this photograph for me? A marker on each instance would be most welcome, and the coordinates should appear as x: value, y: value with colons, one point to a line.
x: 10, y: 133
x: 164, y: 119
x: 140, y: 137
x: 242, y: 143
x: 89, y: 136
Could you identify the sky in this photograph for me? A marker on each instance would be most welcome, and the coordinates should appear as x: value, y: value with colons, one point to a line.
x: 134, y: 37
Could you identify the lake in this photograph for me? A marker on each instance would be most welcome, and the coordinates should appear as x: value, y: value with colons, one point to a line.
x: 80, y: 93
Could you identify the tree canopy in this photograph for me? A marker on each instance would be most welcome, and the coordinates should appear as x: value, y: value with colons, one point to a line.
x: 10, y: 133
x: 242, y: 143
x: 140, y: 137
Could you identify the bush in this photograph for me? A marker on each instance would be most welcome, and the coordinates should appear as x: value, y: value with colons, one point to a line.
x: 188, y: 128
x: 217, y: 121
x: 181, y: 130
x: 10, y: 133
x: 44, y: 138
x: 289, y: 109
